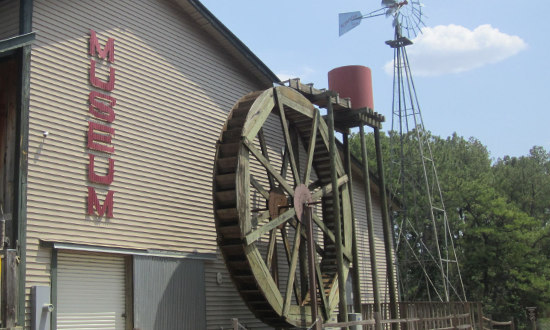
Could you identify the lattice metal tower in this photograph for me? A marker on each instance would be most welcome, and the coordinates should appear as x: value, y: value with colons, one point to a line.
x: 424, y: 237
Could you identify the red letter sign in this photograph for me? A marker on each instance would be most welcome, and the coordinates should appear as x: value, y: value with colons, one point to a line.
x: 92, y: 137
x: 103, y: 179
x: 95, y: 48
x: 101, y: 110
x: 95, y: 81
x: 100, y: 135
x: 93, y: 202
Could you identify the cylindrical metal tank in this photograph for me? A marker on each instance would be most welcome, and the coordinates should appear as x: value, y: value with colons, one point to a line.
x: 355, y: 82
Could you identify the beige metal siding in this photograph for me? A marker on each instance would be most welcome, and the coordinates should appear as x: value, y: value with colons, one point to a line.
x: 9, y: 18
x: 174, y: 88
x: 90, y: 291
x: 173, y: 91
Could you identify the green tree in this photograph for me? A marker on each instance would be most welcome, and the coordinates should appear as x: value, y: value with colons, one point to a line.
x: 525, y: 181
x: 499, y: 215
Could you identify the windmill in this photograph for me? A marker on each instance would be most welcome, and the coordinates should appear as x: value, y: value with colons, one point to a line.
x: 423, y: 232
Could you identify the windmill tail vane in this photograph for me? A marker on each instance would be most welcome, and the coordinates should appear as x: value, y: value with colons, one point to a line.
x: 348, y: 21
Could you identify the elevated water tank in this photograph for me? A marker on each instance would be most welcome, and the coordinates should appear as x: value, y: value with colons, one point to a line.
x: 355, y: 82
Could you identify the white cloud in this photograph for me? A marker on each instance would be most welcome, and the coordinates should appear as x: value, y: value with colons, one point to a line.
x: 303, y: 73
x: 453, y: 48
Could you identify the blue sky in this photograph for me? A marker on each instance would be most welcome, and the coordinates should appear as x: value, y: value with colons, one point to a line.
x: 480, y: 70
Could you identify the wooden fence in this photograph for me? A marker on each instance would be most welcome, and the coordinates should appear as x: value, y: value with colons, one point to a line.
x: 432, y: 315
x: 421, y: 316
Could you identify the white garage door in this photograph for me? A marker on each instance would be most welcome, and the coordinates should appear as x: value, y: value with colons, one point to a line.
x: 90, y: 291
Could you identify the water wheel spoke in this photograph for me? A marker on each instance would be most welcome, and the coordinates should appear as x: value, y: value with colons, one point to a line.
x: 286, y: 244
x: 327, y: 189
x: 259, y: 187
x: 324, y: 227
x: 284, y: 165
x: 288, y: 142
x: 270, y: 169
x: 272, y: 245
x: 263, y: 147
x: 292, y: 272
x: 303, y: 232
x: 311, y: 148
x: 320, y: 285
x: 260, y: 217
x: 288, y: 254
x: 253, y: 236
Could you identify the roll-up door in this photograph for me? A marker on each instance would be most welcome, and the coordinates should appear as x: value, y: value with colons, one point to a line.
x: 90, y: 291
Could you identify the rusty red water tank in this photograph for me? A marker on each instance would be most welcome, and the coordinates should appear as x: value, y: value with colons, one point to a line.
x: 355, y: 82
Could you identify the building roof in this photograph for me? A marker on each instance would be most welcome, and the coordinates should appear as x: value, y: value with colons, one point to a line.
x: 229, y: 41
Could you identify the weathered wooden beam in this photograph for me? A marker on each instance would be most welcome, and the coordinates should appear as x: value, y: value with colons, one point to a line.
x: 25, y: 26
x: 342, y: 305
x: 387, y: 229
x: 370, y: 221
x: 9, y: 288
x: 312, y: 268
x: 292, y: 271
x: 356, y: 279
x: 256, y: 234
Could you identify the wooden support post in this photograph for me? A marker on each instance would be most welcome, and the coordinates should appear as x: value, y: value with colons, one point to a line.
x: 480, y: 315
x: 235, y: 324
x: 387, y: 229
x: 342, y: 305
x: 354, y: 251
x: 370, y: 222
x: 9, y: 289
x: 20, y: 218
x: 311, y: 268
x: 377, y: 320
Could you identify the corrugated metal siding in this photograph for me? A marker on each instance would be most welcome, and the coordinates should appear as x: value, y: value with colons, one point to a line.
x: 90, y: 291
x: 9, y: 18
x: 363, y: 243
x: 169, y: 294
x: 223, y: 301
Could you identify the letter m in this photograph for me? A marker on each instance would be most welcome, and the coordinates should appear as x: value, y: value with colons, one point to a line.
x: 93, y: 202
x: 108, y: 50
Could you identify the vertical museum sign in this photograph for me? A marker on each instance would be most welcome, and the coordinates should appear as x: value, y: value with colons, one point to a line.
x: 100, y: 126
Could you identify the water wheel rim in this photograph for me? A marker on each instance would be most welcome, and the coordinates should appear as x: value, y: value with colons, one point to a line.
x: 265, y: 298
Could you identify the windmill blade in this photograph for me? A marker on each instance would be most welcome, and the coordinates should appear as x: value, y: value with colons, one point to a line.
x: 348, y: 21
x: 389, y: 3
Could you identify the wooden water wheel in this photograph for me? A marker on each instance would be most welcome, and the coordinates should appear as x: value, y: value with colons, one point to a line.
x: 275, y: 146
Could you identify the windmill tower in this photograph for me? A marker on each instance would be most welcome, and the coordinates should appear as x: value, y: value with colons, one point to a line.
x: 425, y: 239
